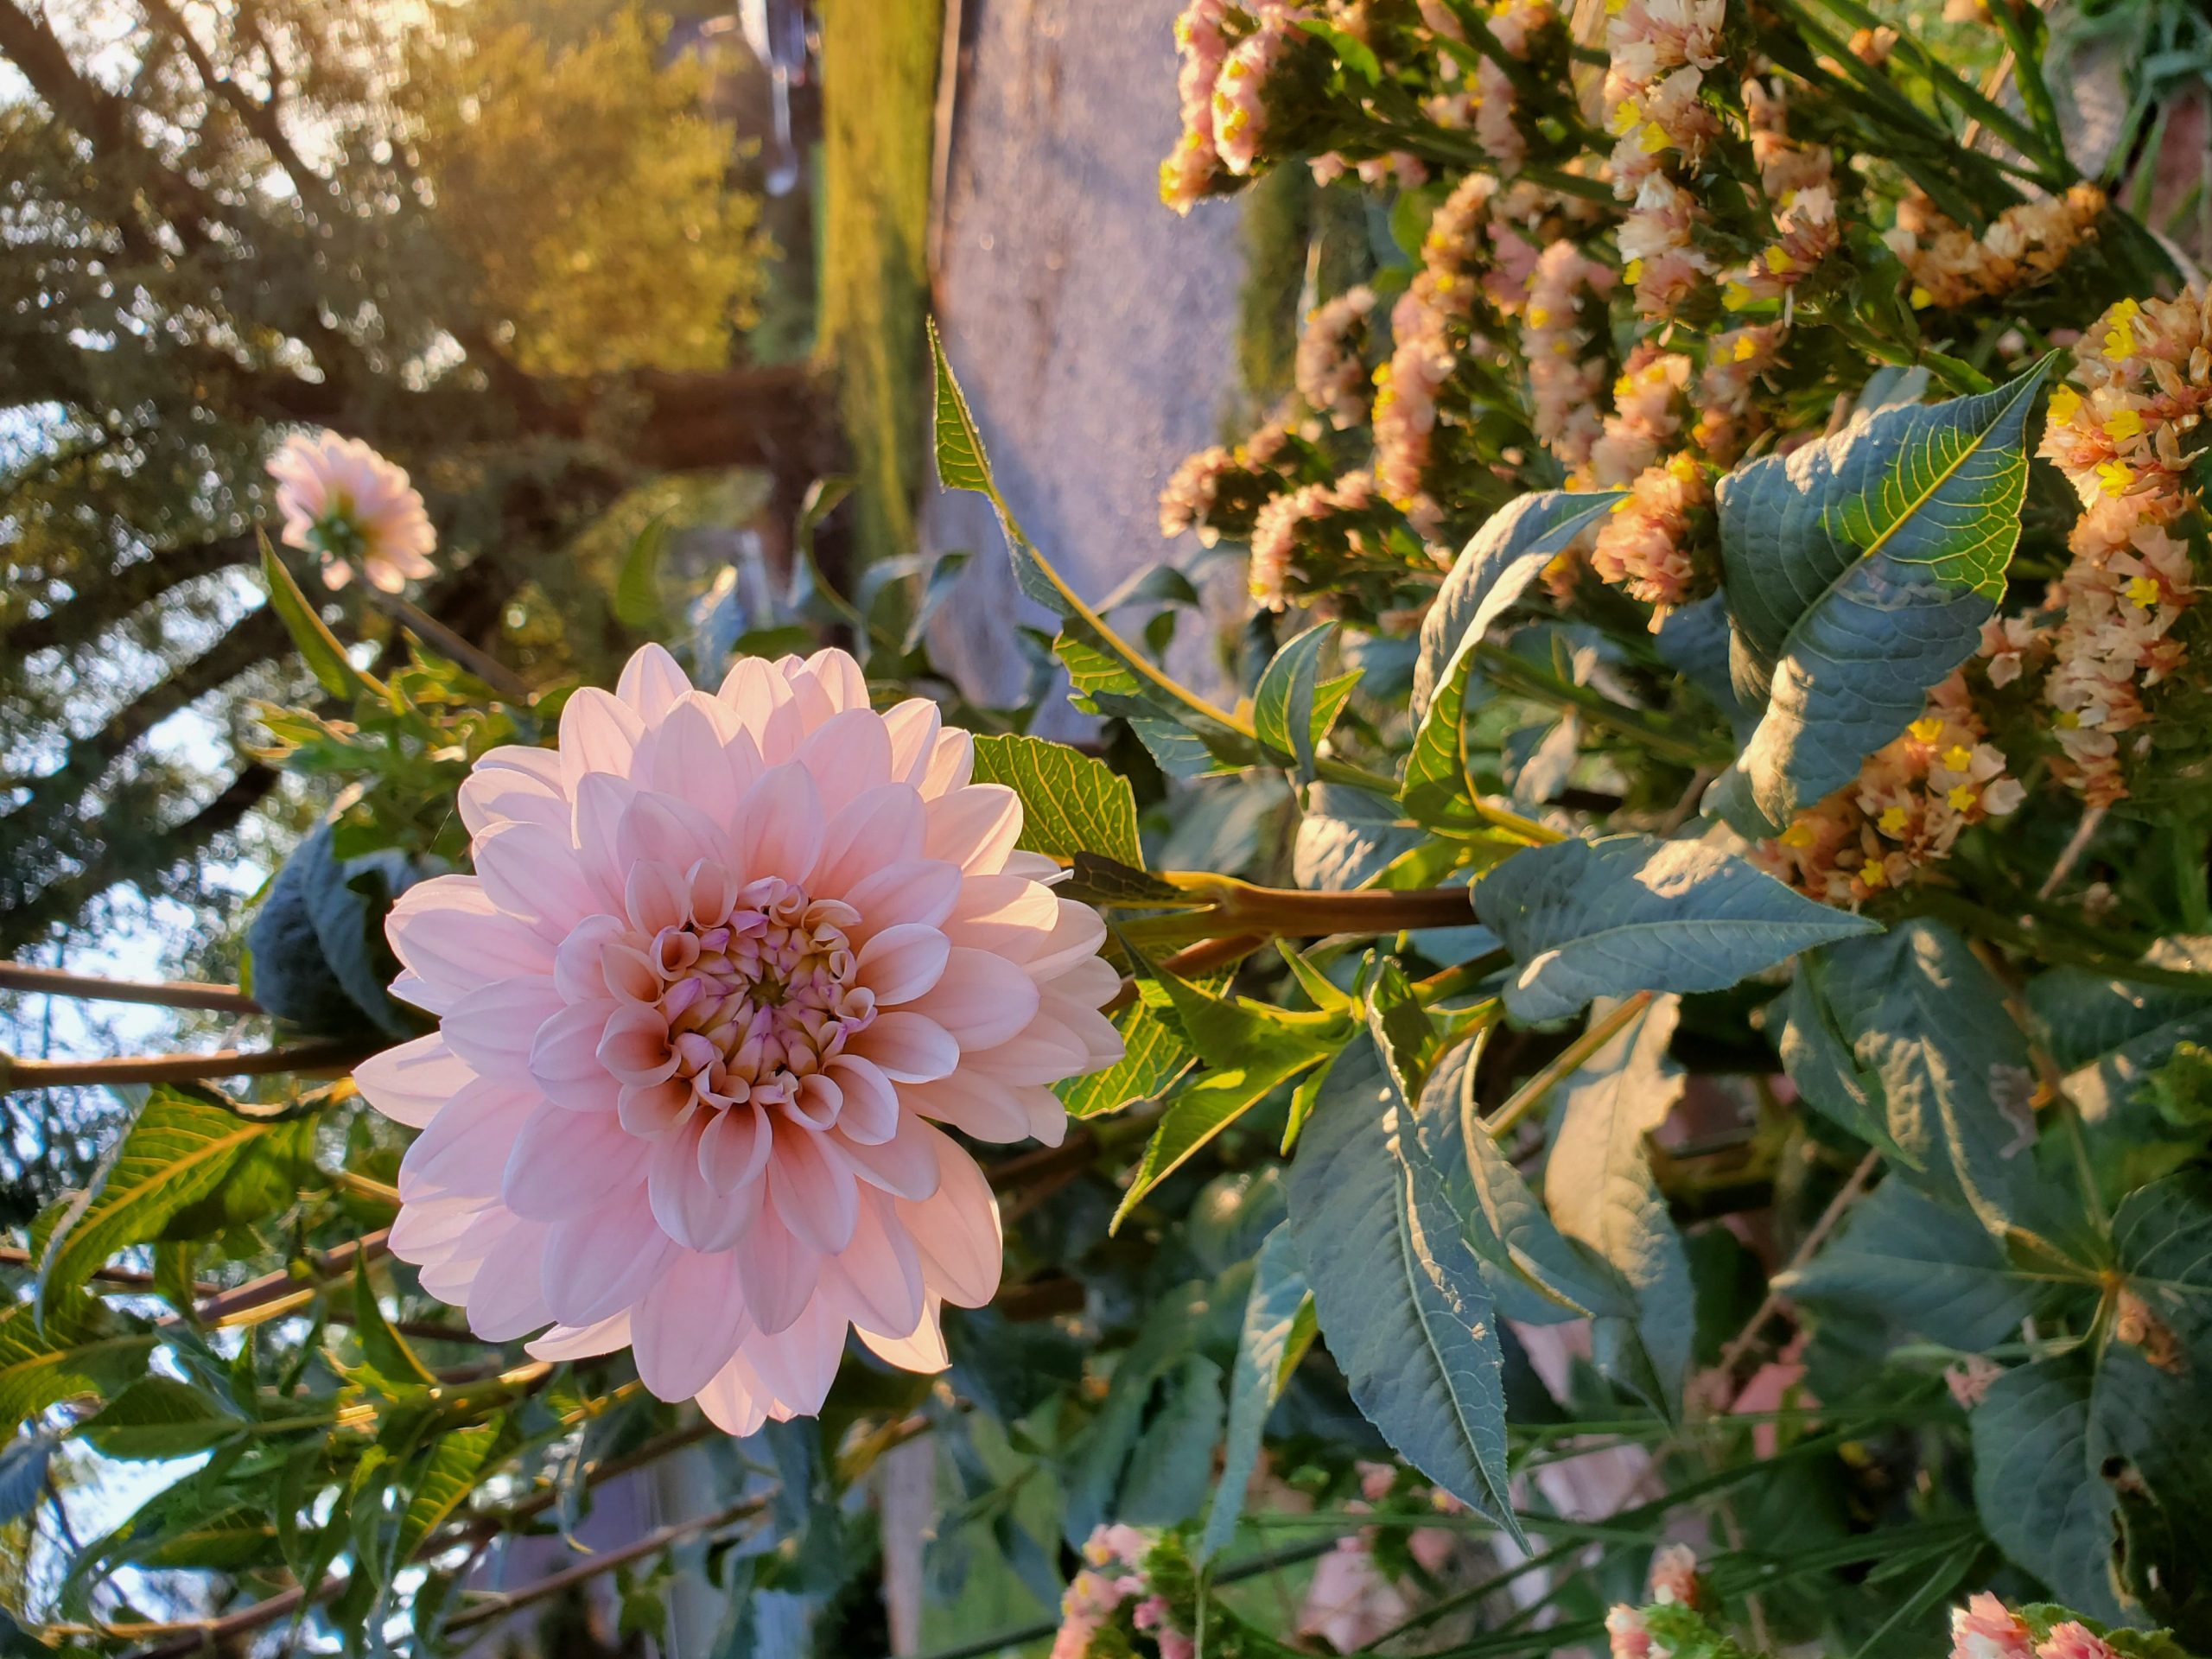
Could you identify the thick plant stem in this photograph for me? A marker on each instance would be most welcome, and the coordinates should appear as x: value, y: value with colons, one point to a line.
x: 1531, y: 1094
x: 329, y: 1056
x: 1237, y: 907
x: 165, y: 992
x: 441, y: 638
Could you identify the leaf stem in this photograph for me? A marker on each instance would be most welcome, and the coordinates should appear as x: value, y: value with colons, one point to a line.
x: 509, y: 685
x: 1531, y: 1094
x: 1845, y: 1196
x: 163, y: 993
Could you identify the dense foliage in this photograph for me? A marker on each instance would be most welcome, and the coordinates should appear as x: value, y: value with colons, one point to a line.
x: 1663, y: 1097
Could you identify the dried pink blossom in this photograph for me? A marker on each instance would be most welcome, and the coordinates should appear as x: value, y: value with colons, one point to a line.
x: 2069, y: 1640
x: 348, y: 506
x: 1986, y: 1629
x: 723, y: 959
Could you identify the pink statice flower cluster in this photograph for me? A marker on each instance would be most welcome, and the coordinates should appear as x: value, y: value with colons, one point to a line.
x: 1650, y: 545
x: 1219, y: 491
x: 1236, y: 63
x: 1338, y: 521
x: 1798, y: 182
x: 2124, y: 432
x: 1649, y: 410
x: 1727, y: 413
x: 1914, y: 799
x: 2024, y: 244
x: 1566, y: 355
x: 1674, y: 1582
x: 726, y: 963
x: 1658, y: 53
x: 1986, y: 1629
x: 354, y: 510
x: 1114, y: 1586
x: 1331, y: 374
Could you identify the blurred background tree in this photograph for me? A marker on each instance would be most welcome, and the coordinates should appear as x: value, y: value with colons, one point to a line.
x: 508, y: 245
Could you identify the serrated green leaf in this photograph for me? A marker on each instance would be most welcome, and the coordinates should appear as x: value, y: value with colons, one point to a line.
x: 82, y: 1348
x: 454, y: 1467
x: 157, y: 1417
x: 318, y: 647
x: 1154, y: 1054
x: 1630, y: 913
x: 1932, y: 1269
x: 1071, y: 801
x: 1859, y: 571
x: 177, y: 1151
x: 1348, y: 837
x: 1398, y: 1294
x: 961, y: 463
x: 1600, y: 1189
x: 1278, y: 1327
x: 1291, y: 710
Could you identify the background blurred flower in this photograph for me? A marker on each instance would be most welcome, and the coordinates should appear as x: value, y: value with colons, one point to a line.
x: 348, y: 506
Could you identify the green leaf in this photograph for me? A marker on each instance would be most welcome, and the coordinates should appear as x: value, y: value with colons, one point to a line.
x: 455, y: 1465
x: 1631, y: 913
x: 1154, y: 1054
x: 1278, y: 1327
x: 23, y: 1463
x: 1818, y: 1059
x: 1347, y: 837
x: 80, y: 1348
x: 1071, y: 801
x: 318, y: 647
x: 637, y: 585
x: 1859, y: 571
x: 1396, y: 1290
x: 1509, y: 553
x: 1168, y: 1337
x: 1292, y: 710
x: 2042, y: 1501
x: 1930, y: 1268
x: 1171, y: 1467
x: 321, y: 961
x: 1357, y: 57
x: 1933, y: 1056
x: 388, y: 1353
x: 157, y: 1417
x: 179, y: 1150
x: 961, y: 463
x: 1598, y: 1184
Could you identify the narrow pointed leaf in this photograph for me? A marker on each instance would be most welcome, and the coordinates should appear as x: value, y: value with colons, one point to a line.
x: 1277, y: 1329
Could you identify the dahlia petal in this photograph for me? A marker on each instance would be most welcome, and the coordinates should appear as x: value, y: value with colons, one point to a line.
x: 651, y: 1110
x: 450, y: 935
x: 972, y: 1102
x: 409, y: 1084
x: 780, y: 829
x: 669, y: 830
x: 598, y: 733
x: 1046, y: 1052
x: 817, y: 1102
x: 870, y: 1115
x: 493, y: 1028
x: 779, y: 1270
x: 464, y: 1151
x: 809, y: 695
x: 735, y: 1402
x: 848, y: 753
x: 1006, y: 915
x: 956, y: 1228
x: 1048, y: 1117
x: 688, y: 1326
x: 912, y: 726
x: 762, y: 699
x: 598, y: 1263
x: 507, y: 1300
x: 585, y: 1341
x: 564, y: 1058
x: 1090, y: 984
x: 879, y: 827
x: 980, y: 999
x: 798, y: 1363
x: 951, y: 764
x: 903, y: 963
x: 692, y: 756
x: 601, y: 799
x: 562, y: 1162
x: 735, y: 1147
x: 813, y: 1190
x: 974, y: 826
x: 840, y: 677
x: 529, y: 870
x: 652, y: 681
x: 905, y: 1165
x: 505, y: 788
x: 879, y: 1272
x: 687, y: 1207
x: 580, y: 968
x: 635, y: 1046
x: 908, y: 1047
x: 921, y: 890
x: 1101, y: 1043
x: 655, y: 895
x: 1076, y: 937
x: 923, y: 1350
x: 427, y: 1228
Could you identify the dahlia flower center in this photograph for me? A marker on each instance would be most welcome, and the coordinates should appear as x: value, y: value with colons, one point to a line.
x: 758, y: 1001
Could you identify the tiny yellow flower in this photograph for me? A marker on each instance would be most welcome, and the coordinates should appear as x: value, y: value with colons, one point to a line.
x: 1652, y: 139
x: 1928, y: 728
x: 1799, y: 835
x: 1625, y: 115
x: 1922, y: 299
x: 1634, y: 271
x: 1746, y: 349
x: 1957, y: 758
x: 1873, y: 875
x: 2065, y: 404
x: 2143, y: 592
x: 1963, y: 797
x: 2123, y: 425
x: 2067, y: 720
x: 1893, y: 821
x: 1735, y: 296
x: 2119, y: 339
x: 2115, y: 476
x: 1540, y: 316
x: 1779, y: 262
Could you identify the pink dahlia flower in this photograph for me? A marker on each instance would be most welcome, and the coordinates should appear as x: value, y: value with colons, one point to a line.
x: 722, y: 961
x: 1986, y: 1629
x: 348, y: 505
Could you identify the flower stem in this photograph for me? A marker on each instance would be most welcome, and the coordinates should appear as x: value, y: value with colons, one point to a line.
x: 434, y: 633
x: 169, y: 992
x: 1531, y: 1094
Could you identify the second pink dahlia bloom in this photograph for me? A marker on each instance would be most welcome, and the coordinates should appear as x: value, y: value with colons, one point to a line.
x: 726, y: 963
x: 348, y: 506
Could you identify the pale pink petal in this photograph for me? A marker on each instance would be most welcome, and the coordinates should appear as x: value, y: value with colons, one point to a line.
x: 514, y: 784
x: 653, y: 1110
x: 693, y: 758
x: 974, y: 826
x: 410, y: 1082
x: 813, y: 1190
x: 669, y: 830
x: 689, y: 1324
x: 601, y: 800
x: 918, y: 890
x: 762, y: 699
x: 880, y: 1271
x: 956, y: 1228
x: 506, y: 1300
x: 902, y: 963
x: 870, y: 1113
x: 735, y: 1147
x: 840, y: 677
x: 465, y: 1148
x: 951, y: 764
x: 1006, y: 915
x: 652, y: 681
x: 450, y: 935
x: 564, y: 1058
x: 655, y: 895
x: 877, y: 827
x: 529, y: 870
x: 973, y: 1103
x: 635, y: 1046
x: 922, y: 1351
x: 598, y: 1263
x: 797, y: 1364
x: 598, y: 733
x: 493, y: 1028
x: 586, y: 1341
x: 564, y: 1161
x: 780, y: 827
x: 778, y: 1271
x: 735, y: 1401
x: 688, y: 1209
x: 912, y: 726
x: 980, y: 999
x: 905, y: 1166
x: 909, y: 1048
